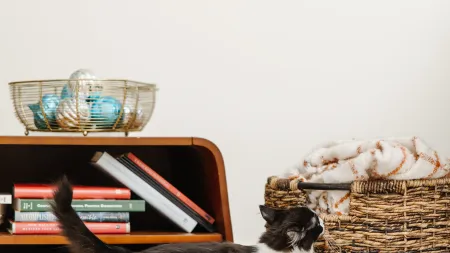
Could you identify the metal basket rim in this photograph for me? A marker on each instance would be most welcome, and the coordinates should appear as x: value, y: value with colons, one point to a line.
x: 67, y: 80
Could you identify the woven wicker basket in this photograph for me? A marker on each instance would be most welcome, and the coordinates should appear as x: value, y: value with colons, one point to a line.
x: 385, y: 216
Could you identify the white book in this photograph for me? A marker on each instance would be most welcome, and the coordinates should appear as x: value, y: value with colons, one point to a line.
x: 5, y: 198
x: 107, y: 163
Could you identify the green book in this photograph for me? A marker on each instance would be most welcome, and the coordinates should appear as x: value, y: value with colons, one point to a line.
x: 43, y: 205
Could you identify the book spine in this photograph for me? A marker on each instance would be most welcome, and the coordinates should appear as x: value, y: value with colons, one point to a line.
x: 47, y: 191
x: 5, y: 199
x: 117, y: 170
x: 41, y: 228
x: 84, y: 216
x: 157, y: 186
x: 170, y: 187
x: 43, y: 205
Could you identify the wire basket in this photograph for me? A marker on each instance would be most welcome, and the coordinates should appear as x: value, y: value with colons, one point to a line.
x: 83, y: 105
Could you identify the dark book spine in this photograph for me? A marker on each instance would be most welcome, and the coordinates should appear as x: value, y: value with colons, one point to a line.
x: 157, y: 186
x: 164, y: 183
x: 43, y: 205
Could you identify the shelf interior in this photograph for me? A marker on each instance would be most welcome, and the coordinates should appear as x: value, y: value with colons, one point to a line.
x: 180, y: 165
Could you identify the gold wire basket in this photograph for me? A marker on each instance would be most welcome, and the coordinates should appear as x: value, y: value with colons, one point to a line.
x: 83, y: 105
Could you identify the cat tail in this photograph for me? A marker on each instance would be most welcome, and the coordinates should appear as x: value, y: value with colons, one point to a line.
x: 81, y: 239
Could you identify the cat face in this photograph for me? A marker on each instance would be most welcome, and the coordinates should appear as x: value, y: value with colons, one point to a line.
x: 292, y: 228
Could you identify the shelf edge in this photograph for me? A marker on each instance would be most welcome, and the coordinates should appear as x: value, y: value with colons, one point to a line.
x: 219, y: 161
x: 8, y: 239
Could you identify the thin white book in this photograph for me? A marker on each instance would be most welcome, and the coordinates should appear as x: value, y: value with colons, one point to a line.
x: 110, y: 165
x: 5, y: 198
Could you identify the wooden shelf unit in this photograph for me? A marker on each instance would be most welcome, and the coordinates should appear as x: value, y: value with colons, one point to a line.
x: 194, y: 165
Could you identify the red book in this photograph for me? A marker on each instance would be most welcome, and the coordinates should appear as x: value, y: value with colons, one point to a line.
x: 45, y: 191
x: 52, y: 228
x: 170, y: 187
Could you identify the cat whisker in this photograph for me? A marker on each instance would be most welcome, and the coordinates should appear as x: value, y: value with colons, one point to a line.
x: 294, y: 240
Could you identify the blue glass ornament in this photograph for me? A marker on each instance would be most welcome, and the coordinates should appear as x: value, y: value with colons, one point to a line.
x: 95, y: 93
x: 66, y: 93
x: 50, y: 103
x: 105, y: 111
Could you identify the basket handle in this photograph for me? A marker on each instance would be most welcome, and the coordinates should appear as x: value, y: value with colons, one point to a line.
x: 320, y: 186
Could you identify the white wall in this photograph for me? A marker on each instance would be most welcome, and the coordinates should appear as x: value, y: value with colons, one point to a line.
x: 265, y: 81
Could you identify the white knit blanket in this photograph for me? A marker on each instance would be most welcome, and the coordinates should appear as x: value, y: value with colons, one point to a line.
x: 347, y: 161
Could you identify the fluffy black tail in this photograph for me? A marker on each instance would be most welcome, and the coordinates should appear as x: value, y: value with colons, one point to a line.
x: 81, y: 239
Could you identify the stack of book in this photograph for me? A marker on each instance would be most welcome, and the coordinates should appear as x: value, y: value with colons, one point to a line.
x: 155, y: 190
x: 104, y: 210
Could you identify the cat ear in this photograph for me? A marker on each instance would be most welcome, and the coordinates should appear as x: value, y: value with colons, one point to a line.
x: 267, y: 213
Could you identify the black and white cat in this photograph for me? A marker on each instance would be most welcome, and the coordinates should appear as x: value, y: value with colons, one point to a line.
x: 292, y: 230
